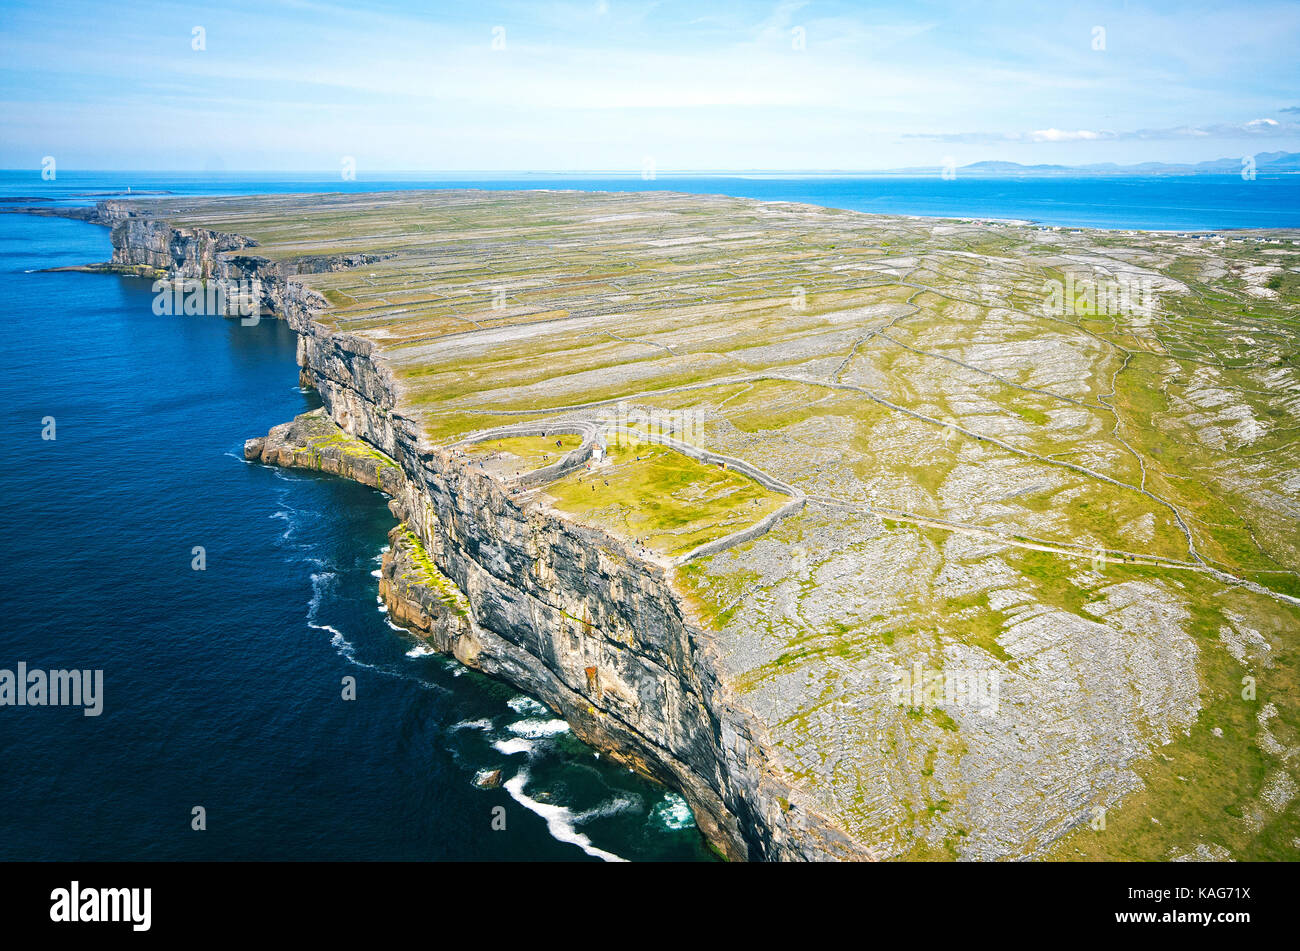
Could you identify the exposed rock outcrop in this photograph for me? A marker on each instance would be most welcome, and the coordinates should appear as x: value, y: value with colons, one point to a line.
x: 1043, y: 509
x: 566, y: 613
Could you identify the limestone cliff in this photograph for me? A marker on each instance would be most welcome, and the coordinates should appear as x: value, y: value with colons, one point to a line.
x: 567, y: 613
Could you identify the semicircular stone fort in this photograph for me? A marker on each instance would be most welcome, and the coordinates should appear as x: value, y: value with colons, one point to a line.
x: 877, y: 537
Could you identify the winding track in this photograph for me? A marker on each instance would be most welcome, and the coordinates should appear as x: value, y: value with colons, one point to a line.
x: 799, y: 498
x: 593, y: 435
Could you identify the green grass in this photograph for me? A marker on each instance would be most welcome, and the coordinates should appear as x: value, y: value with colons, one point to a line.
x: 607, y: 310
x: 531, y: 452
x: 431, y: 577
x: 670, y: 502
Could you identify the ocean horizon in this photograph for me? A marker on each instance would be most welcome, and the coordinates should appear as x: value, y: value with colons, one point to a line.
x: 1204, y: 202
x: 641, y: 433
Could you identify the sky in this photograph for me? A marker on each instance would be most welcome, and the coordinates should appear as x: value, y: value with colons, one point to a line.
x: 624, y: 86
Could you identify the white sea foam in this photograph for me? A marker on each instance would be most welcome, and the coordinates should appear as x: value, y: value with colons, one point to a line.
x: 480, y: 724
x: 289, y: 526
x: 537, y: 729
x: 515, y: 744
x: 673, y: 813
x: 347, y: 650
x: 614, y: 807
x: 559, y: 820
x: 527, y: 706
x: 321, y: 581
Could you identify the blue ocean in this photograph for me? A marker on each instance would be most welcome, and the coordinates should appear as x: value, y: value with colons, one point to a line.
x: 1157, y: 203
x: 222, y: 686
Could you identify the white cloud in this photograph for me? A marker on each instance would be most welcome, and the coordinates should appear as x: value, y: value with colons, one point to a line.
x: 1220, y: 130
x: 1061, y: 135
x: 585, y: 86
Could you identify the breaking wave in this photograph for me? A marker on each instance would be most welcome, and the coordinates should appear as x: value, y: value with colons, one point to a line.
x: 538, y: 729
x: 559, y: 819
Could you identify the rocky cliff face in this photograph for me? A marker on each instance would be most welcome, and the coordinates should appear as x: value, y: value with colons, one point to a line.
x: 142, y: 244
x: 566, y: 613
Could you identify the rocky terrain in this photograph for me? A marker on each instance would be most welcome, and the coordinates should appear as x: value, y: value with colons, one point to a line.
x: 874, y: 537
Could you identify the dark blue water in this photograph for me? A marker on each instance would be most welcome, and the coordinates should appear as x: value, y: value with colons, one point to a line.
x: 223, y: 686
x: 1200, y: 202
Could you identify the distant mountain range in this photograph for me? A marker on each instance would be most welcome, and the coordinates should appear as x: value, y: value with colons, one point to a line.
x: 1265, y: 163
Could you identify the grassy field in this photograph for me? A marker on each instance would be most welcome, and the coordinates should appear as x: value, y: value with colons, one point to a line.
x: 525, y: 452
x: 1096, y: 505
x: 661, y: 499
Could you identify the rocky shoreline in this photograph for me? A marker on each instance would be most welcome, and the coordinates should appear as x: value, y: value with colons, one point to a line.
x: 569, y: 614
